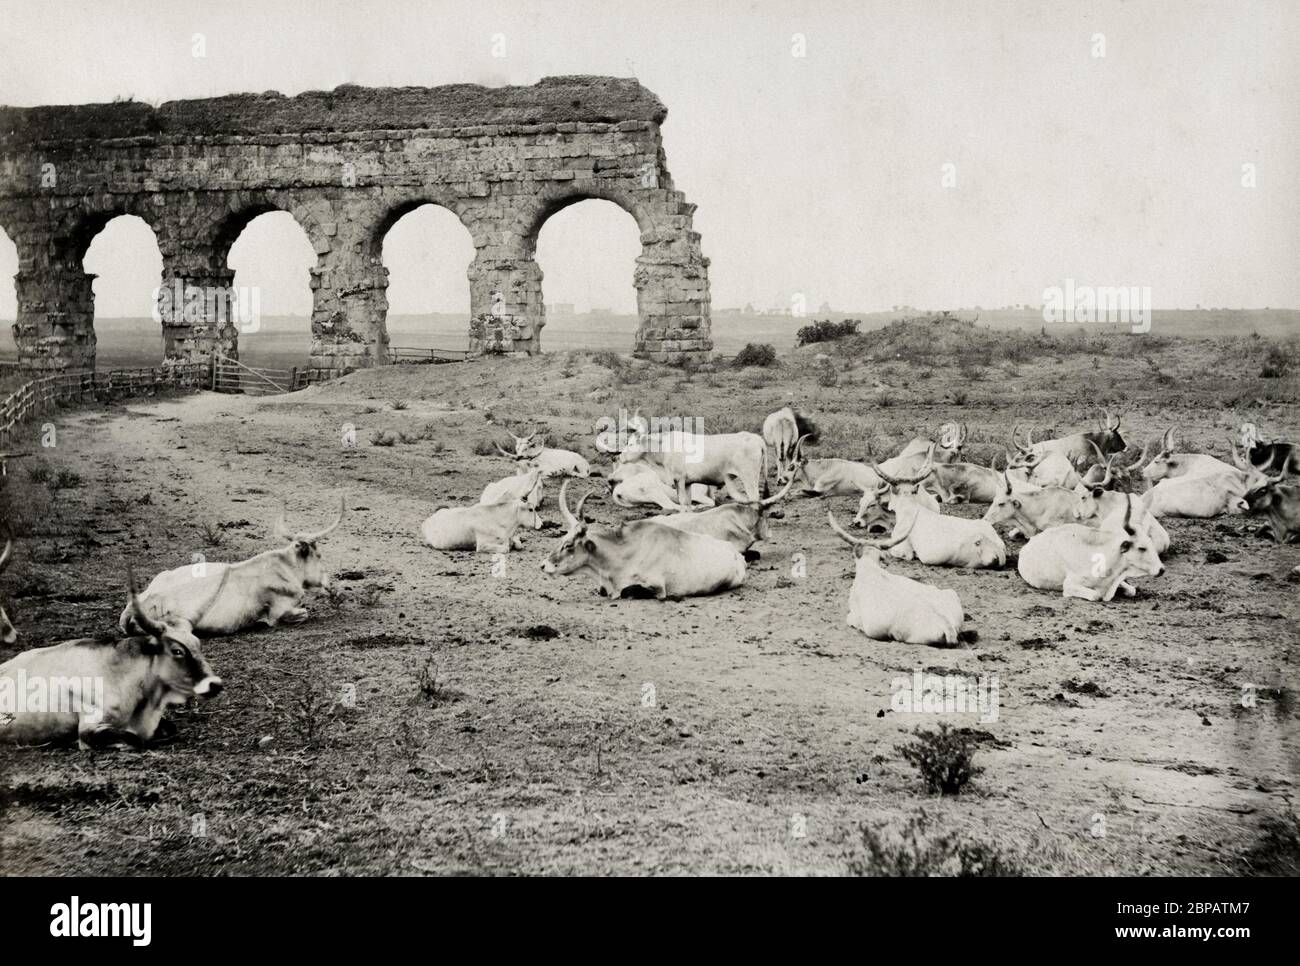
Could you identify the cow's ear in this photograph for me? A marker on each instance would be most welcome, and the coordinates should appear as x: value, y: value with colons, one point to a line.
x: 303, y: 548
x: 1097, y: 492
x: 589, y: 545
x: 1016, y: 504
x: 1126, y: 546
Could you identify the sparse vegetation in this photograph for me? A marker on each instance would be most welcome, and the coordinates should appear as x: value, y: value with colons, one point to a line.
x: 919, y: 851
x: 827, y: 331
x: 944, y: 757
x: 755, y: 354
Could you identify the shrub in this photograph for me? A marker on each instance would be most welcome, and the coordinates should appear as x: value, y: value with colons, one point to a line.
x: 918, y: 853
x: 64, y: 479
x: 382, y: 437
x: 945, y: 758
x: 827, y: 331
x: 755, y: 354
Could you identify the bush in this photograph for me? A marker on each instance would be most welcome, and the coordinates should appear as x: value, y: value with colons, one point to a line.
x: 917, y: 853
x: 827, y: 331
x: 755, y: 354
x: 945, y: 758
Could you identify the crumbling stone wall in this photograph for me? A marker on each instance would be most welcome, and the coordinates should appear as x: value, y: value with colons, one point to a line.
x: 346, y: 164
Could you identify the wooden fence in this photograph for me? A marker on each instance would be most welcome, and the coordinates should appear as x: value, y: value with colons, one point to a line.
x: 43, y: 393
x: 407, y: 356
x: 40, y: 395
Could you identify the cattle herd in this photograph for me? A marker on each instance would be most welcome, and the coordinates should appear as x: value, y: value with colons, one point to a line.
x: 1090, y: 519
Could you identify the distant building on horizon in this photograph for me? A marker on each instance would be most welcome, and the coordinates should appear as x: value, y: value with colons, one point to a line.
x: 560, y: 308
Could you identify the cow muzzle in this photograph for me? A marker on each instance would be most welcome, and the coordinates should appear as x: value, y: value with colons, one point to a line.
x: 209, y: 687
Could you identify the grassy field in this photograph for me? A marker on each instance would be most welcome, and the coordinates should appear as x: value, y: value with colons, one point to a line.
x: 506, y: 721
x: 284, y: 342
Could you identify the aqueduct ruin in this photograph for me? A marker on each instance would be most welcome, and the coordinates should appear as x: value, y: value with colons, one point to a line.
x: 346, y: 164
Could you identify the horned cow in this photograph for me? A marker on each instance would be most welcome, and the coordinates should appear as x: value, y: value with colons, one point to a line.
x: 107, y: 693
x: 224, y: 598
x: 1089, y: 563
x: 891, y: 607
x: 644, y: 557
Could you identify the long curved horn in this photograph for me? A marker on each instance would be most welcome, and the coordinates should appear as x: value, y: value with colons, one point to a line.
x: 322, y: 534
x: 1015, y: 437
x: 1237, y: 461
x: 1029, y: 439
x: 962, y: 434
x: 577, y: 513
x: 848, y: 538
x: 1007, y: 479
x: 1128, y: 514
x: 4, y: 557
x: 905, y: 480
x: 1142, y: 457
x: 504, y: 452
x: 280, y: 529
x: 1167, y: 441
x: 1101, y: 457
x: 138, y: 614
x: 776, y: 499
x: 569, y: 519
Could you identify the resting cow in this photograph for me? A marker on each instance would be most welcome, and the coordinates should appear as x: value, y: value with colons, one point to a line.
x: 1089, y: 563
x: 103, y: 692
x: 483, y: 527
x: 225, y: 598
x: 644, y: 557
x: 890, y: 607
x: 739, y: 524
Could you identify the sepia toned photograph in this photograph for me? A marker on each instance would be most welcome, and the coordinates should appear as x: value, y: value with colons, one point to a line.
x: 612, y: 439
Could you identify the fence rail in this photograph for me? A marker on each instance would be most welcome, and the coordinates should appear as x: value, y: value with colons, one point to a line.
x: 399, y: 355
x: 40, y: 395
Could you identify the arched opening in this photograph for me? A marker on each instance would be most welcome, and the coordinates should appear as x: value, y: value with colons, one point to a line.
x: 8, y: 296
x: 124, y: 257
x: 587, y: 252
x: 272, y: 259
x: 427, y: 251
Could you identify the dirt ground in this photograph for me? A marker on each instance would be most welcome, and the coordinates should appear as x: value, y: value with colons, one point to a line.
x: 456, y: 713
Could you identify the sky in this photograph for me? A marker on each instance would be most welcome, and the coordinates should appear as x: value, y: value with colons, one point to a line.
x: 860, y: 154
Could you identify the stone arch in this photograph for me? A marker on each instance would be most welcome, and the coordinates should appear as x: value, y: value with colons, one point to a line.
x: 503, y: 159
x: 566, y: 253
x: 671, y: 276
x: 270, y: 266
x: 396, y: 214
x: 110, y: 232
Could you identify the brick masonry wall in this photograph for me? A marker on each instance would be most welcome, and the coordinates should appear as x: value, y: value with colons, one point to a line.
x: 346, y: 164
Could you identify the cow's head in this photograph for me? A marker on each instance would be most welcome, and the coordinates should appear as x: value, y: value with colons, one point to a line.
x: 7, y: 633
x: 865, y: 550
x: 1270, y: 493
x: 305, y: 552
x: 1136, y: 554
x: 526, y: 447
x: 1166, y: 462
x: 787, y: 470
x: 1108, y: 437
x: 1006, y: 503
x: 952, y: 437
x: 765, y: 510
x: 575, y: 548
x: 175, y: 652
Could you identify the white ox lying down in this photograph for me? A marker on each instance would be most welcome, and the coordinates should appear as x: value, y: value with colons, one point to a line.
x: 1199, y: 497
x: 103, y: 692
x: 526, y: 486
x: 1032, y: 509
x: 890, y: 607
x: 643, y: 556
x: 965, y: 483
x: 224, y: 598
x: 1167, y: 464
x: 931, y: 537
x: 739, y: 524
x: 735, y: 461
x: 484, y: 527
x: 551, y: 462
x: 644, y: 484
x: 1089, y: 563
